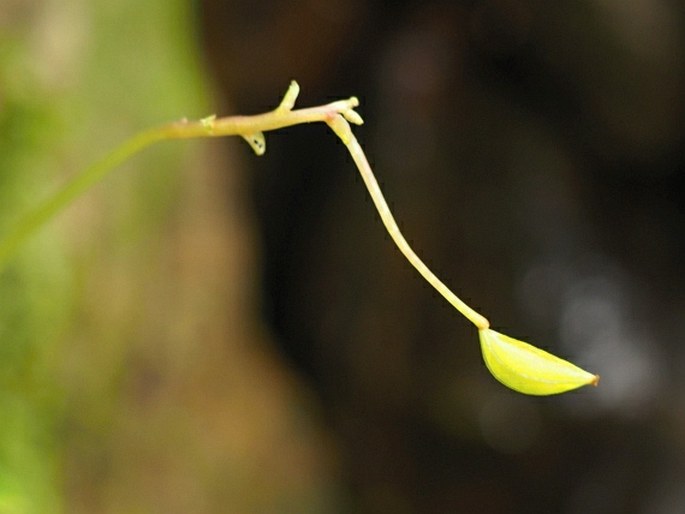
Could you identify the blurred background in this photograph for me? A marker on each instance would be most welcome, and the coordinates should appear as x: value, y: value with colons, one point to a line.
x: 207, y: 331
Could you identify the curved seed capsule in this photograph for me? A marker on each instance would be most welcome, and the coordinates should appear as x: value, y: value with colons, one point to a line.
x: 527, y: 369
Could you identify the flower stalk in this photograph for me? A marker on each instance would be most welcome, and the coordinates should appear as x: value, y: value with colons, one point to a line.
x: 514, y: 363
x: 250, y: 128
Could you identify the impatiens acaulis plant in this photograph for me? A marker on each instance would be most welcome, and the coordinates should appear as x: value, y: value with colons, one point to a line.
x: 518, y: 365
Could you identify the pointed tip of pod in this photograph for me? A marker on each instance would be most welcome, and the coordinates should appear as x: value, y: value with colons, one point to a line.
x: 528, y: 369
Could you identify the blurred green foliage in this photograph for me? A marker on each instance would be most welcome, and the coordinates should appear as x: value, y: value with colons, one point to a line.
x: 75, y: 79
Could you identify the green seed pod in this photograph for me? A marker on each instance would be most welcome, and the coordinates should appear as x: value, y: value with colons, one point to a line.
x: 530, y: 370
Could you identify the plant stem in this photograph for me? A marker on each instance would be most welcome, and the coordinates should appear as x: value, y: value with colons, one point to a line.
x: 249, y: 127
x: 344, y: 132
x: 36, y: 218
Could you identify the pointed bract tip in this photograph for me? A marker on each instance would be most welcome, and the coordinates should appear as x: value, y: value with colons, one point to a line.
x: 290, y: 97
x: 353, y: 117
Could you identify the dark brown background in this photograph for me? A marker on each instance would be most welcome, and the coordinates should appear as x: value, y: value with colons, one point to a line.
x: 533, y: 153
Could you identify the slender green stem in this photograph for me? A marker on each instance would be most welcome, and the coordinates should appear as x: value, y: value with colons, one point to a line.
x: 343, y: 130
x: 35, y: 219
x: 249, y: 127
